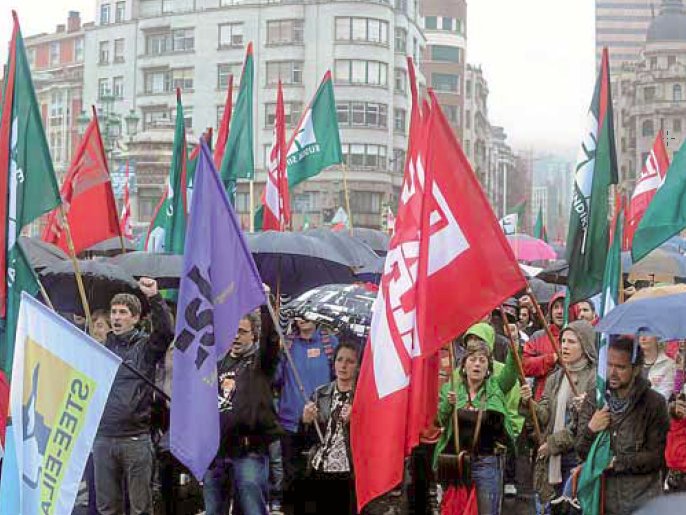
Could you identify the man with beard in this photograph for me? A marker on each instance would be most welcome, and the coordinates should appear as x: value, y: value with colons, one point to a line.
x: 637, y: 419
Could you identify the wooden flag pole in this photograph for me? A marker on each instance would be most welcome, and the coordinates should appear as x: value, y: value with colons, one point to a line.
x: 289, y: 358
x: 553, y: 341
x: 75, y: 264
x: 251, y: 223
x: 456, y: 422
x: 520, y: 371
x: 346, y: 192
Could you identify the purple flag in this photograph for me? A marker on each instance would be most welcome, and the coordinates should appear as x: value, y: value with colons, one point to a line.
x: 220, y: 284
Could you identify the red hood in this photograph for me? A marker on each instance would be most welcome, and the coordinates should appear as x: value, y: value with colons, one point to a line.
x: 571, y: 316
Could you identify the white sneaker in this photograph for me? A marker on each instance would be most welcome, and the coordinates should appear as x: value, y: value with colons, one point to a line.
x: 510, y: 490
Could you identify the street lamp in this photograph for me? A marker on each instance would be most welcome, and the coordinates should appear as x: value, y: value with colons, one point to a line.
x: 82, y: 122
x: 131, y: 120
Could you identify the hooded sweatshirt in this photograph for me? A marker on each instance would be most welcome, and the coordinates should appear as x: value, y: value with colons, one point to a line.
x: 538, y: 358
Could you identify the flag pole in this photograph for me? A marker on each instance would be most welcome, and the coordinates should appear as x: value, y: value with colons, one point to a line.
x: 553, y: 341
x: 252, y: 206
x: 522, y: 378
x: 346, y: 192
x: 289, y: 358
x: 75, y: 264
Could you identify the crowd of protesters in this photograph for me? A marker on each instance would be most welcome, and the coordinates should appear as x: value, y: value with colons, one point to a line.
x: 284, y: 419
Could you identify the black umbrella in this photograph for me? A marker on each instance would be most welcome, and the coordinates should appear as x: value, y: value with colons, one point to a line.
x: 377, y: 240
x: 293, y: 262
x: 360, y: 256
x: 41, y: 254
x: 556, y: 273
x: 102, y: 281
x: 110, y: 247
x: 343, y: 307
x: 544, y: 291
x: 165, y: 268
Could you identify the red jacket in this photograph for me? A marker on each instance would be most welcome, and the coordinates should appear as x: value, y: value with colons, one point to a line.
x: 4, y: 406
x: 675, y: 451
x: 538, y: 356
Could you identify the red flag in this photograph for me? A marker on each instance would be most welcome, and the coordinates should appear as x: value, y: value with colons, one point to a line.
x: 275, y: 194
x: 651, y: 179
x: 126, y: 226
x: 223, y: 133
x: 446, y: 234
x: 87, y: 196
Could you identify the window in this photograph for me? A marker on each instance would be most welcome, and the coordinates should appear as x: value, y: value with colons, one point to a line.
x: 399, y: 121
x: 366, y: 202
x: 431, y: 22
x: 118, y: 87
x: 179, y: 40
x: 306, y: 202
x: 370, y: 30
x: 445, y: 53
x: 400, y: 40
x: 354, y: 71
x: 119, y: 50
x: 104, y: 14
x: 31, y: 56
x: 78, y: 50
x: 468, y: 119
x: 676, y: 124
x: 104, y: 52
x: 647, y: 128
x: 468, y: 88
x: 468, y: 148
x: 649, y: 93
x: 280, y: 32
x: 230, y: 34
x: 445, y: 82
x: 452, y: 113
x: 401, y: 5
x: 157, y: 82
x: 458, y: 26
x: 119, y: 12
x: 183, y: 40
x: 167, y: 6
x: 362, y: 114
x: 447, y: 23
x: 182, y: 78
x: 155, y: 116
x: 400, y: 80
x: 653, y: 63
x: 291, y: 111
x: 242, y: 202
x: 290, y: 72
x: 223, y: 72
x: 676, y: 92
x: 399, y: 160
x: 671, y: 60
x: 103, y: 88
x: 359, y: 155
x: 54, y: 52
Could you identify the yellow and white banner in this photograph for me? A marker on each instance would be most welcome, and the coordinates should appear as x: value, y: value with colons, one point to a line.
x: 61, y: 379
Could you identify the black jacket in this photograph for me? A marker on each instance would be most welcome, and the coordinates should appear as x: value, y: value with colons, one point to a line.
x: 129, y: 405
x: 247, y: 413
x: 637, y: 438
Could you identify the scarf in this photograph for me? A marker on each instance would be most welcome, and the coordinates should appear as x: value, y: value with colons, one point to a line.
x: 563, y: 395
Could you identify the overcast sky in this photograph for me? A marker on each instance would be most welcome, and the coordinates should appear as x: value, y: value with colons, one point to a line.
x: 537, y: 55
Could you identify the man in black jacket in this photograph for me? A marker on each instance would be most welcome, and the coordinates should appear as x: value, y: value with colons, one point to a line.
x: 636, y: 416
x: 122, y: 450
x: 248, y: 422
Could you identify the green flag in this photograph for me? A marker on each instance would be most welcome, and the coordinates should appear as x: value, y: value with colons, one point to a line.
x: 28, y: 187
x: 315, y: 144
x: 238, y: 161
x: 167, y: 231
x: 666, y: 213
x: 539, y: 227
x: 600, y: 455
x: 587, y: 240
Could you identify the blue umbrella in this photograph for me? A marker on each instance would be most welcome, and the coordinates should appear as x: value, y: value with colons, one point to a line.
x: 658, y: 316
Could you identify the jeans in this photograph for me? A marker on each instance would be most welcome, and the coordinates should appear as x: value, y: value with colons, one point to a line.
x: 487, y: 474
x: 118, y: 461
x: 275, y: 472
x: 246, y: 478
